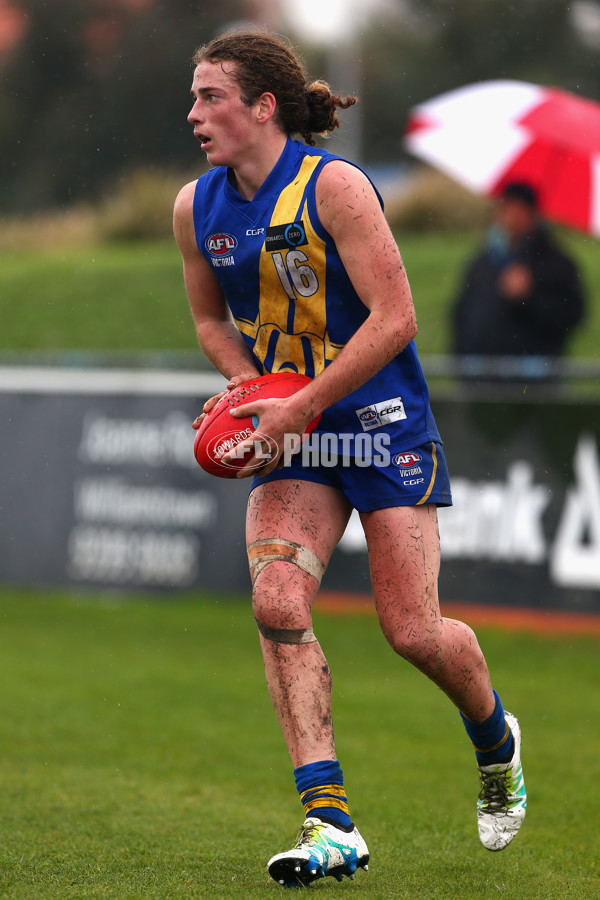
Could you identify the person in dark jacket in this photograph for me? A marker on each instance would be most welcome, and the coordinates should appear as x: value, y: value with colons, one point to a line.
x: 522, y: 295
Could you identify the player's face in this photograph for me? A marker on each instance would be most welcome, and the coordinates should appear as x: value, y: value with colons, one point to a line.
x: 223, y: 124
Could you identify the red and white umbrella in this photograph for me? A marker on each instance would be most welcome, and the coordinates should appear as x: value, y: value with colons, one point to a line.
x: 488, y: 134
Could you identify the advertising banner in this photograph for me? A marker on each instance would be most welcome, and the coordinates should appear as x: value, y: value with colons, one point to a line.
x: 99, y: 487
x: 524, y: 529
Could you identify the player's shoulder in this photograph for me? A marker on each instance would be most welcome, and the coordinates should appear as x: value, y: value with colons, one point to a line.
x: 184, y: 202
x: 344, y: 191
x: 183, y: 217
x: 203, y: 190
x: 337, y: 172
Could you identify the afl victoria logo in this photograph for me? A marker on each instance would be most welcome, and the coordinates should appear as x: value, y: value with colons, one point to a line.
x: 369, y: 415
x: 220, y: 244
x: 405, y: 460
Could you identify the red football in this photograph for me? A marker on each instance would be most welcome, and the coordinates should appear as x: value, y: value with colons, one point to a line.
x: 221, y: 432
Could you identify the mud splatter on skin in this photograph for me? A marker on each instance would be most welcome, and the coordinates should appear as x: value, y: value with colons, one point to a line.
x: 299, y: 685
x: 404, y: 555
x: 283, y: 596
x: 298, y: 677
x: 405, y: 588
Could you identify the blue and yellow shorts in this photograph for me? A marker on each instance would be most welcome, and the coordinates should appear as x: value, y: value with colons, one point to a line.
x: 407, y: 476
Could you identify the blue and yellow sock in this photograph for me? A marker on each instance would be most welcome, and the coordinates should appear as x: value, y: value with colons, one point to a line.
x: 492, y: 739
x: 321, y: 789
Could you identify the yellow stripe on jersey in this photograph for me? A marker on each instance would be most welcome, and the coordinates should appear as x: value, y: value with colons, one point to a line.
x: 290, y: 198
x: 292, y: 314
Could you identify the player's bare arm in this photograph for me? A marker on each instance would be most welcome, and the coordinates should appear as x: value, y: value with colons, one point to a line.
x: 217, y: 333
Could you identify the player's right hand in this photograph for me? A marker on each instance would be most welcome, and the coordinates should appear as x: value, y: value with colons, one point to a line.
x: 212, y: 401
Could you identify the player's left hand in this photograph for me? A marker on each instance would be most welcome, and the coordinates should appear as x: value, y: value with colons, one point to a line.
x: 280, y: 423
x: 212, y: 401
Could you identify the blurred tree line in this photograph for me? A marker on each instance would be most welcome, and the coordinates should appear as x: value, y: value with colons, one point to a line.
x: 96, y: 88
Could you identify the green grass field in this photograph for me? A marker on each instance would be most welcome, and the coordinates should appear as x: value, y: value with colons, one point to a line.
x: 141, y: 758
x: 131, y: 297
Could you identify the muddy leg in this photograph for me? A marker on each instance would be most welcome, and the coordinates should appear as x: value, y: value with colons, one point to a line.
x: 298, y: 677
x: 405, y: 558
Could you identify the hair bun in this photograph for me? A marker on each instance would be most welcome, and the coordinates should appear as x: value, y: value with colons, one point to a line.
x: 264, y: 62
x: 323, y: 105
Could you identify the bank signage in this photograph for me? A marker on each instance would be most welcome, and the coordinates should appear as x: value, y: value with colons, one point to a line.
x: 503, y: 521
x: 525, y: 525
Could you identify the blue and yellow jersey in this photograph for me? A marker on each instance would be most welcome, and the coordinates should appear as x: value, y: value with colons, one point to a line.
x: 291, y: 297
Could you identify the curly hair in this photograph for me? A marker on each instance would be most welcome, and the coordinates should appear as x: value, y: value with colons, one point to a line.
x: 265, y: 63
